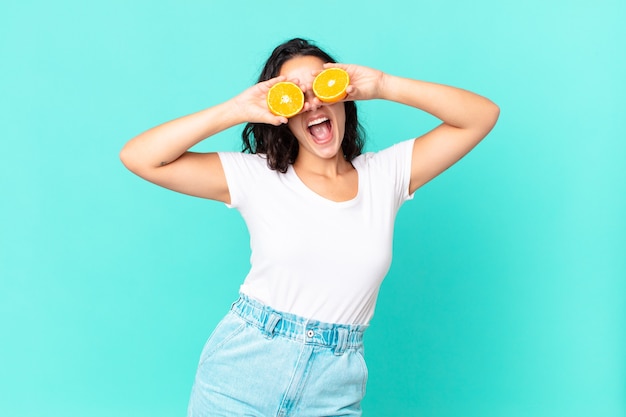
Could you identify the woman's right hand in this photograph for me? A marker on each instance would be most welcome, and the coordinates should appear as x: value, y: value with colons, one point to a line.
x: 252, y: 103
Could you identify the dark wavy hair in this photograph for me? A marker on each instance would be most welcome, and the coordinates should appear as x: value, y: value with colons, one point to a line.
x: 277, y: 142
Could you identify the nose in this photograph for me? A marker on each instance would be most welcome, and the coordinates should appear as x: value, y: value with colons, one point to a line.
x: 314, y: 102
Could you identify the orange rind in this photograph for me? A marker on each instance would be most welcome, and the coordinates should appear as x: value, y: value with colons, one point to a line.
x: 331, y: 84
x: 285, y: 99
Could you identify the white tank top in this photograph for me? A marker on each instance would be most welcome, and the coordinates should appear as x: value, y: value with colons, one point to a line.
x: 311, y: 256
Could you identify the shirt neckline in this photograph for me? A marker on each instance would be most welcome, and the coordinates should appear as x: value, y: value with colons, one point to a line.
x: 304, y: 189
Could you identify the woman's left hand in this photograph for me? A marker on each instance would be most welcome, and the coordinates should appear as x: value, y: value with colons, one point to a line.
x: 365, y: 83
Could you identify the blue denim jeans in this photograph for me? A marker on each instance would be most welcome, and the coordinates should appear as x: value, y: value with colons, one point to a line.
x: 261, y: 362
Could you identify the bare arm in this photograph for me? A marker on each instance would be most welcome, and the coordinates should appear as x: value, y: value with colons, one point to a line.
x: 467, y: 117
x: 161, y: 154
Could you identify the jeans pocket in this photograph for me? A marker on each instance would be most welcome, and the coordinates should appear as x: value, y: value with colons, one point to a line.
x: 361, y: 355
x: 229, y: 327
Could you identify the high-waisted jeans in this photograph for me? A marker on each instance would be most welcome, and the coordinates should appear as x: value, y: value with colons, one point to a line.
x: 261, y: 362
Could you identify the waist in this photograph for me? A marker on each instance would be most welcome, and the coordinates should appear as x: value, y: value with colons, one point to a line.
x: 276, y: 323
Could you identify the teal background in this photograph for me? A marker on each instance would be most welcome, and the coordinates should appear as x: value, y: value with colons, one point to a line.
x: 506, y: 296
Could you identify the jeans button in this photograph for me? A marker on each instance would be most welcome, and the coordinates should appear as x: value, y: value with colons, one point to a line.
x: 310, y: 333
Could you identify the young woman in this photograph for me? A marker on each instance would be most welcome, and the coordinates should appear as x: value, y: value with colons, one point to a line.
x: 320, y: 216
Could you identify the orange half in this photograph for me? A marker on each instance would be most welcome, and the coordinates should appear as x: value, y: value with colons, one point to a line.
x: 330, y: 85
x: 285, y: 99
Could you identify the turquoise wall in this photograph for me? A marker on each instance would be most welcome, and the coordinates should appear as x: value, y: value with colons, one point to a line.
x: 507, y: 292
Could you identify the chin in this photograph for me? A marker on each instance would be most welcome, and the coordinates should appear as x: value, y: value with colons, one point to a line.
x: 328, y: 150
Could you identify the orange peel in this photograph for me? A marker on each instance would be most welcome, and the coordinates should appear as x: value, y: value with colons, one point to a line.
x: 285, y: 99
x: 331, y: 84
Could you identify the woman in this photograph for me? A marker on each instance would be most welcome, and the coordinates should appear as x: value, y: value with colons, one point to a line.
x: 320, y: 216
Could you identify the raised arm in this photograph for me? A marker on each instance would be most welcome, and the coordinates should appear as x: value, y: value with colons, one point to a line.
x: 467, y: 117
x: 161, y: 154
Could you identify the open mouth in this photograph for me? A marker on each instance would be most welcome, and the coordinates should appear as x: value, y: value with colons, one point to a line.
x: 320, y: 129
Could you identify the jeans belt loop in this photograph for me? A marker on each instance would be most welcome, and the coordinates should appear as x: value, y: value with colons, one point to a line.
x: 342, y: 341
x: 271, y: 323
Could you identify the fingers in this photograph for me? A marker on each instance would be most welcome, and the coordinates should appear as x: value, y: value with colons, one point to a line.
x: 272, y: 119
x: 335, y: 65
x: 276, y: 80
x: 272, y: 81
x: 280, y: 120
x: 311, y: 101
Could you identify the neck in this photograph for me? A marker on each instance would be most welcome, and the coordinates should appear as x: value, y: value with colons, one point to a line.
x: 330, y: 168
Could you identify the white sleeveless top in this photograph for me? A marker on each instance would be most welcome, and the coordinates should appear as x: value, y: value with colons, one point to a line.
x: 311, y: 256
